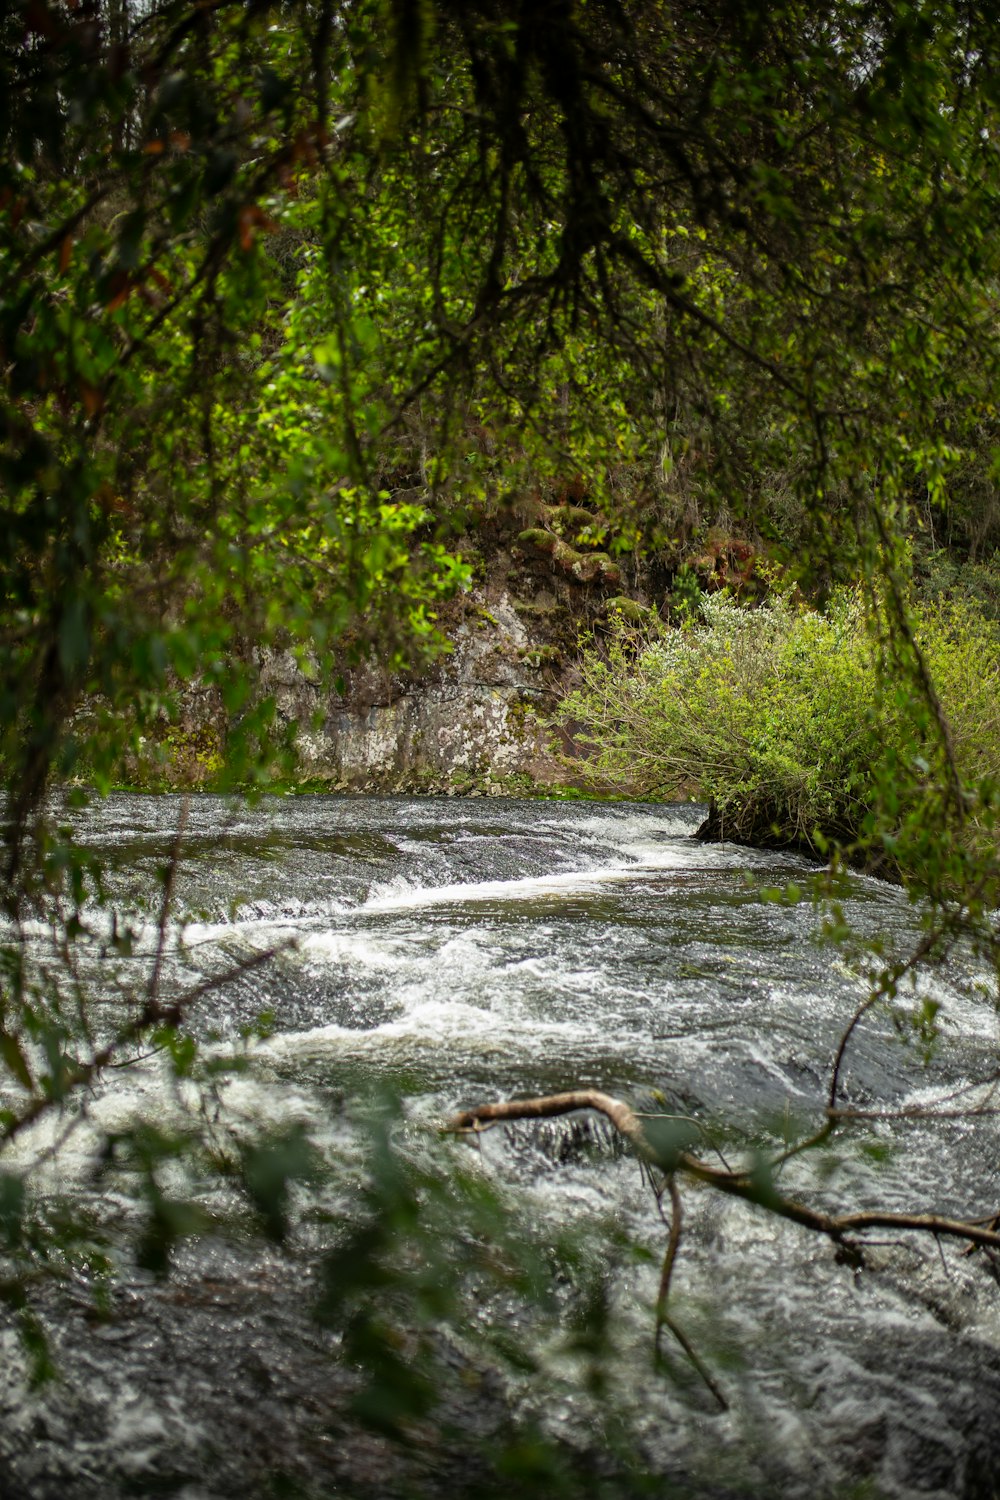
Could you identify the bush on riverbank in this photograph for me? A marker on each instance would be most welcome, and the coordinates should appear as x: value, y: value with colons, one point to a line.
x: 794, y: 725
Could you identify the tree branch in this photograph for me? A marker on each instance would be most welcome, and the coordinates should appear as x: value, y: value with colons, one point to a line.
x: 738, y: 1184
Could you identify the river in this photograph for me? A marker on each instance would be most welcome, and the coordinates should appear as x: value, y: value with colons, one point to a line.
x: 449, y: 951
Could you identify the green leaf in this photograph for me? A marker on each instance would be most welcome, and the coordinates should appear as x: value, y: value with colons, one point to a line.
x: 13, y: 1056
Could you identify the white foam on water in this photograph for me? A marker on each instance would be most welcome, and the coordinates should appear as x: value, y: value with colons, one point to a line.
x: 396, y: 953
x: 403, y: 895
x: 438, y: 1026
x: 67, y: 1144
x: 626, y: 827
x: 61, y: 1150
x: 251, y: 930
x: 963, y: 1011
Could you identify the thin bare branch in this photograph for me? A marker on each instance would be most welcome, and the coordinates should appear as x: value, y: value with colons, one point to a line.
x: 169, y: 882
x: 152, y: 1014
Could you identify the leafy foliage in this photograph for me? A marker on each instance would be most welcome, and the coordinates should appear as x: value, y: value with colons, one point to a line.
x: 786, y: 721
x: 257, y: 261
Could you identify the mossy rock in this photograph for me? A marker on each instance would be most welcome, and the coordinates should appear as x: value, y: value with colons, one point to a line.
x: 630, y: 610
x: 541, y: 540
x: 585, y: 567
x: 591, y: 566
x: 542, y: 656
x: 562, y: 554
x: 572, y: 518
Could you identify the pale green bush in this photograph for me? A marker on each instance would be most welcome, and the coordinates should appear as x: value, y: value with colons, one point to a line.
x: 790, y: 722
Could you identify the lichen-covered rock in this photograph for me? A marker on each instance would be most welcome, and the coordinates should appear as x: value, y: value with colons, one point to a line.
x: 468, y: 719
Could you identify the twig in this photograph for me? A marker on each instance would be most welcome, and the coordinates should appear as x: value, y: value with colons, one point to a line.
x: 169, y: 881
x: 849, y: 1030
x: 696, y: 1360
x: 670, y: 1258
x: 152, y: 1014
x: 664, y: 1318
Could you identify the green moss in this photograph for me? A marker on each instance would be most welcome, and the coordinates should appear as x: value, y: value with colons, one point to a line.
x: 630, y: 610
x: 591, y: 566
x: 585, y: 567
x: 542, y: 656
x: 541, y: 540
x: 572, y: 519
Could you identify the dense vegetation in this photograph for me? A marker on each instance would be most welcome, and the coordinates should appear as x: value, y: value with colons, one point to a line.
x: 293, y: 292
x: 783, y: 719
x: 290, y: 292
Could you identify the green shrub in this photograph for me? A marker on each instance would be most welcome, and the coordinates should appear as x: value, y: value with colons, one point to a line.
x: 792, y: 724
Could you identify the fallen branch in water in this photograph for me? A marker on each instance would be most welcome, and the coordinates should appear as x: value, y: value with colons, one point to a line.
x: 756, y: 1186
x: 752, y: 1186
x: 628, y: 1124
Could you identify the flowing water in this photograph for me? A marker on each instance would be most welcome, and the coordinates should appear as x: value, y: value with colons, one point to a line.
x: 456, y: 951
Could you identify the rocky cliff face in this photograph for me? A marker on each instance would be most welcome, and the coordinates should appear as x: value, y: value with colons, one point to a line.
x: 469, y: 720
x: 474, y: 721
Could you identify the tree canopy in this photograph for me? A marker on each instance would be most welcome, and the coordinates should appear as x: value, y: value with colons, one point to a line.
x: 264, y: 266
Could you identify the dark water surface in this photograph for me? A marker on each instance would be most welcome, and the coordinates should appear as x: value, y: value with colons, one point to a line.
x: 461, y: 950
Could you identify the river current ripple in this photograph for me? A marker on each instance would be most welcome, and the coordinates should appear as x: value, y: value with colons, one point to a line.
x: 457, y: 950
